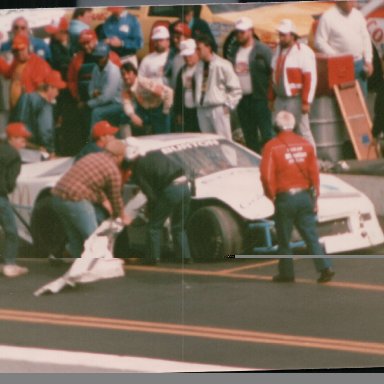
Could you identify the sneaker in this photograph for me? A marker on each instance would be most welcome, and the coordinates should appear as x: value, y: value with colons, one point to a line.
x: 14, y: 270
x: 283, y: 279
x: 326, y: 275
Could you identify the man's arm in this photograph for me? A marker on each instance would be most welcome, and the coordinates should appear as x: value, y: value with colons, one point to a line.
x: 232, y: 84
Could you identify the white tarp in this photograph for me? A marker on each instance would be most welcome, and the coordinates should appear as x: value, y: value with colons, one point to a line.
x: 96, y: 262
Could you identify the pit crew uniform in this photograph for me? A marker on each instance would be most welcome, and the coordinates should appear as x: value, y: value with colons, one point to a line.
x: 293, y: 84
x: 288, y: 171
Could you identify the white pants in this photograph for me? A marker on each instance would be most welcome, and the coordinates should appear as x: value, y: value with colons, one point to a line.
x: 215, y: 120
x: 293, y: 105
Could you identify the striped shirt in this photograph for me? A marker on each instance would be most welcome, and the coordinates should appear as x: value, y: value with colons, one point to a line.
x: 95, y: 177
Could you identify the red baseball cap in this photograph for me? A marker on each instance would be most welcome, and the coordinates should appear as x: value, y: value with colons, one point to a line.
x: 87, y: 35
x: 17, y: 130
x: 183, y: 29
x: 54, y: 79
x: 20, y: 42
x: 57, y: 26
x: 103, y: 128
x: 115, y: 9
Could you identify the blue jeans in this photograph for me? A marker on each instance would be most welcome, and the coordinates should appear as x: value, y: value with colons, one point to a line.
x: 110, y: 112
x: 173, y: 202
x: 361, y: 76
x: 255, y: 117
x: 160, y: 122
x: 297, y: 210
x: 8, y: 223
x: 79, y: 219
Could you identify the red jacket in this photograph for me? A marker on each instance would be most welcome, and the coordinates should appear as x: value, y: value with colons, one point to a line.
x: 34, y: 73
x: 279, y: 170
x: 74, y: 68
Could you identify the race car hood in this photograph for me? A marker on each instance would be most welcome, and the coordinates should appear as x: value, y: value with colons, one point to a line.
x: 242, y: 191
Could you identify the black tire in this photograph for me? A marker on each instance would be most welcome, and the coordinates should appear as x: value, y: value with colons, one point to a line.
x: 47, y: 231
x: 214, y: 233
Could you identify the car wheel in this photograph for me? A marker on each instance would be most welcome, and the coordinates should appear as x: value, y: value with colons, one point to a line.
x: 47, y: 231
x: 214, y: 233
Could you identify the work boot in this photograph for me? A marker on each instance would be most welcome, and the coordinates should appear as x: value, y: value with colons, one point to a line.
x: 326, y: 275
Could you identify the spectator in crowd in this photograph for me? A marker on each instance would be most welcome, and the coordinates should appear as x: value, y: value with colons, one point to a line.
x: 27, y: 71
x: 122, y: 32
x: 166, y: 188
x: 35, y: 110
x: 184, y: 102
x: 10, y: 166
x: 376, y: 83
x: 145, y: 101
x: 60, y: 46
x: 181, y: 32
x: 105, y: 88
x: 217, y: 91
x: 190, y: 15
x: 155, y: 66
x: 102, y: 134
x: 88, y: 193
x: 343, y: 30
x: 63, y: 110
x: 79, y: 76
x: 289, y: 174
x: 294, y: 78
x: 252, y: 62
x: 38, y: 46
x: 81, y: 20
x: 81, y: 66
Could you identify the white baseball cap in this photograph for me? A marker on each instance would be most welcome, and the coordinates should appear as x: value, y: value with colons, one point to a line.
x: 244, y: 23
x: 285, y: 121
x: 160, y: 33
x: 286, y: 26
x: 187, y: 47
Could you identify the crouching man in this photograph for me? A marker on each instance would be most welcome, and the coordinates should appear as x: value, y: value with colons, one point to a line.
x: 88, y: 193
x: 289, y: 173
x: 167, y: 190
x: 10, y: 165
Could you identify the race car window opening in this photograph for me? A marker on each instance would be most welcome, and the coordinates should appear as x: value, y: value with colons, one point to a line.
x: 205, y: 160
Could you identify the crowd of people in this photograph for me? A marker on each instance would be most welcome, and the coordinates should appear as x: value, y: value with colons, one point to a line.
x: 87, y: 87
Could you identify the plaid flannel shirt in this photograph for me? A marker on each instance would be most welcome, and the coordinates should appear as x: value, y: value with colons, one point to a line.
x: 95, y: 177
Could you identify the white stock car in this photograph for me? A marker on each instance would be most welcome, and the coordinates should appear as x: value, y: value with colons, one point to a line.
x: 229, y: 212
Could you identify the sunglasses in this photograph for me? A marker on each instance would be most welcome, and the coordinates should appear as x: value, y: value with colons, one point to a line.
x: 21, y: 27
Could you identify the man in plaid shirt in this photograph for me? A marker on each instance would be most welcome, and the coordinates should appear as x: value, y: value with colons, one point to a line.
x: 87, y: 192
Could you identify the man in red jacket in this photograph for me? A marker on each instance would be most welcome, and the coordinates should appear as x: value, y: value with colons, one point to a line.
x: 289, y: 172
x: 27, y: 71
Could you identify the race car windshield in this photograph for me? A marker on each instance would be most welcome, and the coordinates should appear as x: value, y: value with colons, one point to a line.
x: 210, y: 156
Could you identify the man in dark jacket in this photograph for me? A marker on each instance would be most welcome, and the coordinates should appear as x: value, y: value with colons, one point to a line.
x: 252, y: 62
x: 10, y: 165
x: 167, y: 190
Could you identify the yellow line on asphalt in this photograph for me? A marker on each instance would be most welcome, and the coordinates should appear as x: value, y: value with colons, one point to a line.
x: 252, y: 266
x: 216, y: 333
x: 241, y: 276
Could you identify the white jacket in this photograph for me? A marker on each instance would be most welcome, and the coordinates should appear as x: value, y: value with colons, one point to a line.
x: 299, y: 73
x: 223, y: 86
